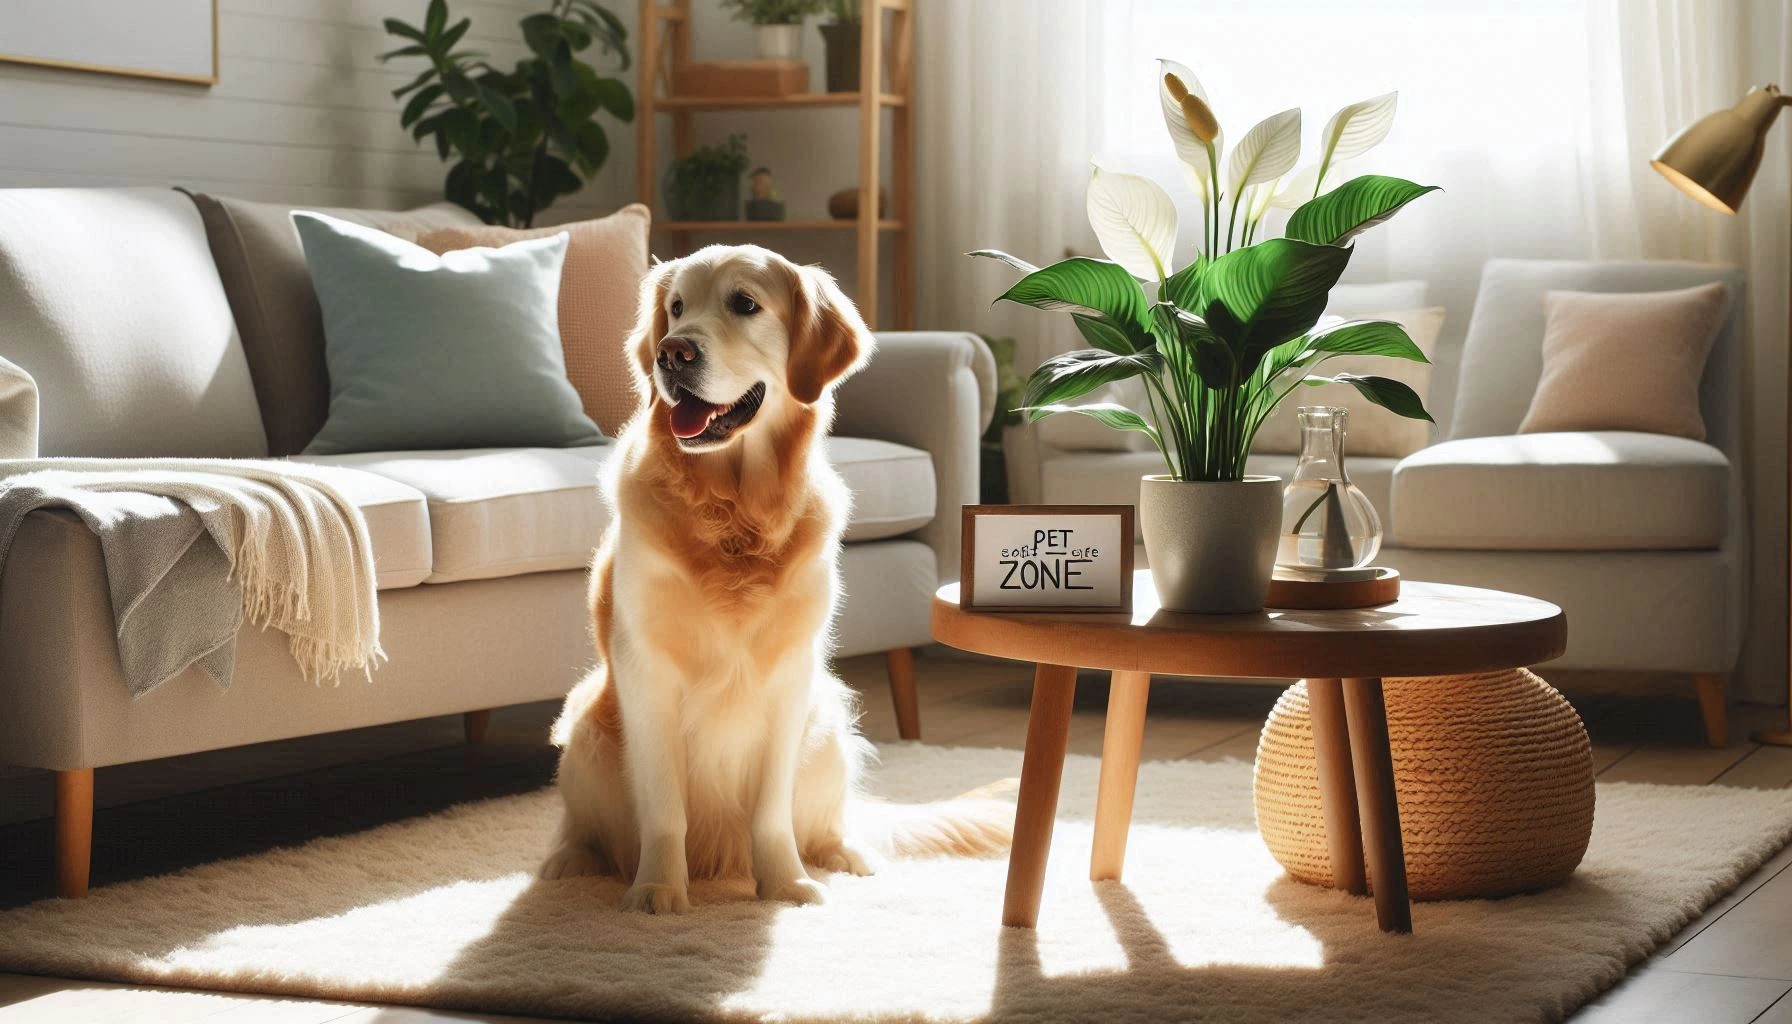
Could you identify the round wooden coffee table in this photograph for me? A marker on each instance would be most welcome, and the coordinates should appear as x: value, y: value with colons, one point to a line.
x: 1434, y: 629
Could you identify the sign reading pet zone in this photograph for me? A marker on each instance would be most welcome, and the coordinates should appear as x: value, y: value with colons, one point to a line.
x: 1048, y: 558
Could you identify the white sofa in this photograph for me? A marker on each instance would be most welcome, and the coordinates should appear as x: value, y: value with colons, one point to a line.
x: 1641, y: 538
x: 110, y: 300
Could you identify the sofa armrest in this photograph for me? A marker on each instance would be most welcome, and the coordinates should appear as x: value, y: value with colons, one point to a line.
x: 18, y: 412
x: 933, y: 390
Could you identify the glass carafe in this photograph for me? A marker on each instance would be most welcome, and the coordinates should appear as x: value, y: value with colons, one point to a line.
x: 1328, y: 523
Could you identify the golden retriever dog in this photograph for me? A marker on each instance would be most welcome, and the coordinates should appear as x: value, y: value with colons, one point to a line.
x: 713, y: 740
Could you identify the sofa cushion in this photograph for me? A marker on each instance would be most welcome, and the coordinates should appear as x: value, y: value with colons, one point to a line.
x: 498, y: 511
x: 452, y: 352
x: 258, y: 257
x: 1594, y: 491
x: 600, y: 291
x: 108, y: 298
x: 892, y: 486
x: 1112, y: 478
x: 508, y: 511
x: 397, y: 524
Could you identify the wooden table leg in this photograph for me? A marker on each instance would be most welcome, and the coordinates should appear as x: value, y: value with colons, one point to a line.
x: 1041, y: 770
x: 1374, y: 764
x: 1337, y: 783
x: 1125, y: 731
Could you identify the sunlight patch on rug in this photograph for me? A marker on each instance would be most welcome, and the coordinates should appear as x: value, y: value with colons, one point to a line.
x: 444, y: 911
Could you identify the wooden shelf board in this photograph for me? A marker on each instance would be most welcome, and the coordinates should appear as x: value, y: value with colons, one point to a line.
x: 770, y: 225
x: 802, y: 100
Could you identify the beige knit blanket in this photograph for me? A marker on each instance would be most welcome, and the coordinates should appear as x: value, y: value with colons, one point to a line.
x: 192, y: 546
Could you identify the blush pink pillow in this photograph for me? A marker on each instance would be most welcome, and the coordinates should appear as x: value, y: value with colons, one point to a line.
x: 1626, y: 360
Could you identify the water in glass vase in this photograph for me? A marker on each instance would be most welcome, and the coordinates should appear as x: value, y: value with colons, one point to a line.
x: 1329, y: 528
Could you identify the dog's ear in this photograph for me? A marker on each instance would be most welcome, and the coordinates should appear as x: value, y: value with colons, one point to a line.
x: 650, y: 324
x: 828, y: 338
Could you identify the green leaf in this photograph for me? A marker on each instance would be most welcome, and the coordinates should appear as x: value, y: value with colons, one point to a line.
x: 996, y: 254
x: 462, y: 186
x: 415, y: 83
x: 1367, y: 338
x: 1109, y: 336
x: 1083, y: 285
x: 1181, y: 334
x: 613, y: 95
x: 1117, y: 416
x: 1183, y: 286
x: 497, y: 105
x: 1386, y: 392
x: 454, y: 34
x: 418, y: 105
x: 436, y: 18
x: 462, y: 131
x: 405, y: 51
x: 1355, y: 206
x: 1075, y: 374
x: 1265, y: 294
x: 394, y: 27
x: 593, y: 146
x: 542, y: 33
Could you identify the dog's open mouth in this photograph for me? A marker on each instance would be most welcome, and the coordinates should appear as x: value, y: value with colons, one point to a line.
x: 695, y: 421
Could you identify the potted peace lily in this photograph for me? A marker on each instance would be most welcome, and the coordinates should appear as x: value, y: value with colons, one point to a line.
x: 1224, y: 339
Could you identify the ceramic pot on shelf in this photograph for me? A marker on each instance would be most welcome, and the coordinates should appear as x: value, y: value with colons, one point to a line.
x: 778, y: 42
x: 1211, y: 543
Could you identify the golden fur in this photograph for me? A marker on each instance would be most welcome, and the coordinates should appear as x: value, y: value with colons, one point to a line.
x: 713, y: 709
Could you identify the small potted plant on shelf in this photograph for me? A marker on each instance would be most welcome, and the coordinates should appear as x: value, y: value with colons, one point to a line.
x: 1222, y: 341
x: 777, y: 24
x: 706, y: 184
x: 841, y: 37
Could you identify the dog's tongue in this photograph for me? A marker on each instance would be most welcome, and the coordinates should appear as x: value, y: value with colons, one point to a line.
x: 691, y: 415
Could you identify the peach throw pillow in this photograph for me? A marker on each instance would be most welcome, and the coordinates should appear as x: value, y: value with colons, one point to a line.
x: 600, y: 288
x: 1626, y: 360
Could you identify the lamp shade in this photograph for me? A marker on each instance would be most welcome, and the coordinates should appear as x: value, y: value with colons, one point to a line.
x: 1714, y: 159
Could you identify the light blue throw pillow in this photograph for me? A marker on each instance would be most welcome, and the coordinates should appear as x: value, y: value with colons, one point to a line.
x: 460, y: 350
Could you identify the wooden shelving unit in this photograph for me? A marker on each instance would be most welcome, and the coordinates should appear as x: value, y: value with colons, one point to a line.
x: 666, y: 33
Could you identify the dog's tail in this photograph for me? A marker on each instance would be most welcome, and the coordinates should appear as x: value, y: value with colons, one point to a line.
x: 965, y: 827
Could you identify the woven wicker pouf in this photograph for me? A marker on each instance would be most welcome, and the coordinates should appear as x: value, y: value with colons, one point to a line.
x: 1494, y: 775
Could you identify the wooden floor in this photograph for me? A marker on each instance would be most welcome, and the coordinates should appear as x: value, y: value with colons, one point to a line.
x: 1733, y: 965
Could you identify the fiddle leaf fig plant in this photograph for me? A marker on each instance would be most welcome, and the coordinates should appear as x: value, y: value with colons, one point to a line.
x: 1222, y: 340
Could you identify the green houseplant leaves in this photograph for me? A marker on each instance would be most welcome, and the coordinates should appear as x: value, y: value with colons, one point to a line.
x: 520, y: 138
x: 1220, y: 342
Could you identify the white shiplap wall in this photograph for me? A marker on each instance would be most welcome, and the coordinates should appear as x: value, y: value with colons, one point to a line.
x: 302, y: 112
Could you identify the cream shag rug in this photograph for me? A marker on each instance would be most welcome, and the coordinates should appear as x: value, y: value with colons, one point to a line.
x: 443, y: 911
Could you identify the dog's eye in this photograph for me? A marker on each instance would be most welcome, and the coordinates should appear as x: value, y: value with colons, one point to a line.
x: 743, y: 304
x: 677, y: 307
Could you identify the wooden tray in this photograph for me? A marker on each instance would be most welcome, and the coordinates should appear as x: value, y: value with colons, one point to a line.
x: 1310, y: 596
x: 727, y: 78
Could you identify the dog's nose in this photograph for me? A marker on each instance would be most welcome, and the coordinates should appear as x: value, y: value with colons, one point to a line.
x: 678, y: 353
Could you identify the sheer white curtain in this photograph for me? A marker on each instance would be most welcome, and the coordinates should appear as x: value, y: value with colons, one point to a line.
x: 1011, y: 96
x: 1655, y: 66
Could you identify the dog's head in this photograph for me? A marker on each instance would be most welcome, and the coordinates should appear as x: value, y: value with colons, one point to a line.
x: 733, y: 336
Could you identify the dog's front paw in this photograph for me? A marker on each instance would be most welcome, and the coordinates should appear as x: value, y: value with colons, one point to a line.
x: 848, y: 858
x: 799, y: 891
x: 570, y: 860
x: 650, y: 898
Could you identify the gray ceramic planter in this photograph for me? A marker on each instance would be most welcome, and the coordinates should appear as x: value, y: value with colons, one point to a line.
x: 1212, y: 545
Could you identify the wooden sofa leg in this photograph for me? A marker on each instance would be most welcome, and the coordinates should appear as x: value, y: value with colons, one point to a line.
x: 1714, y: 707
x: 74, y: 831
x: 901, y: 664
x: 475, y: 723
